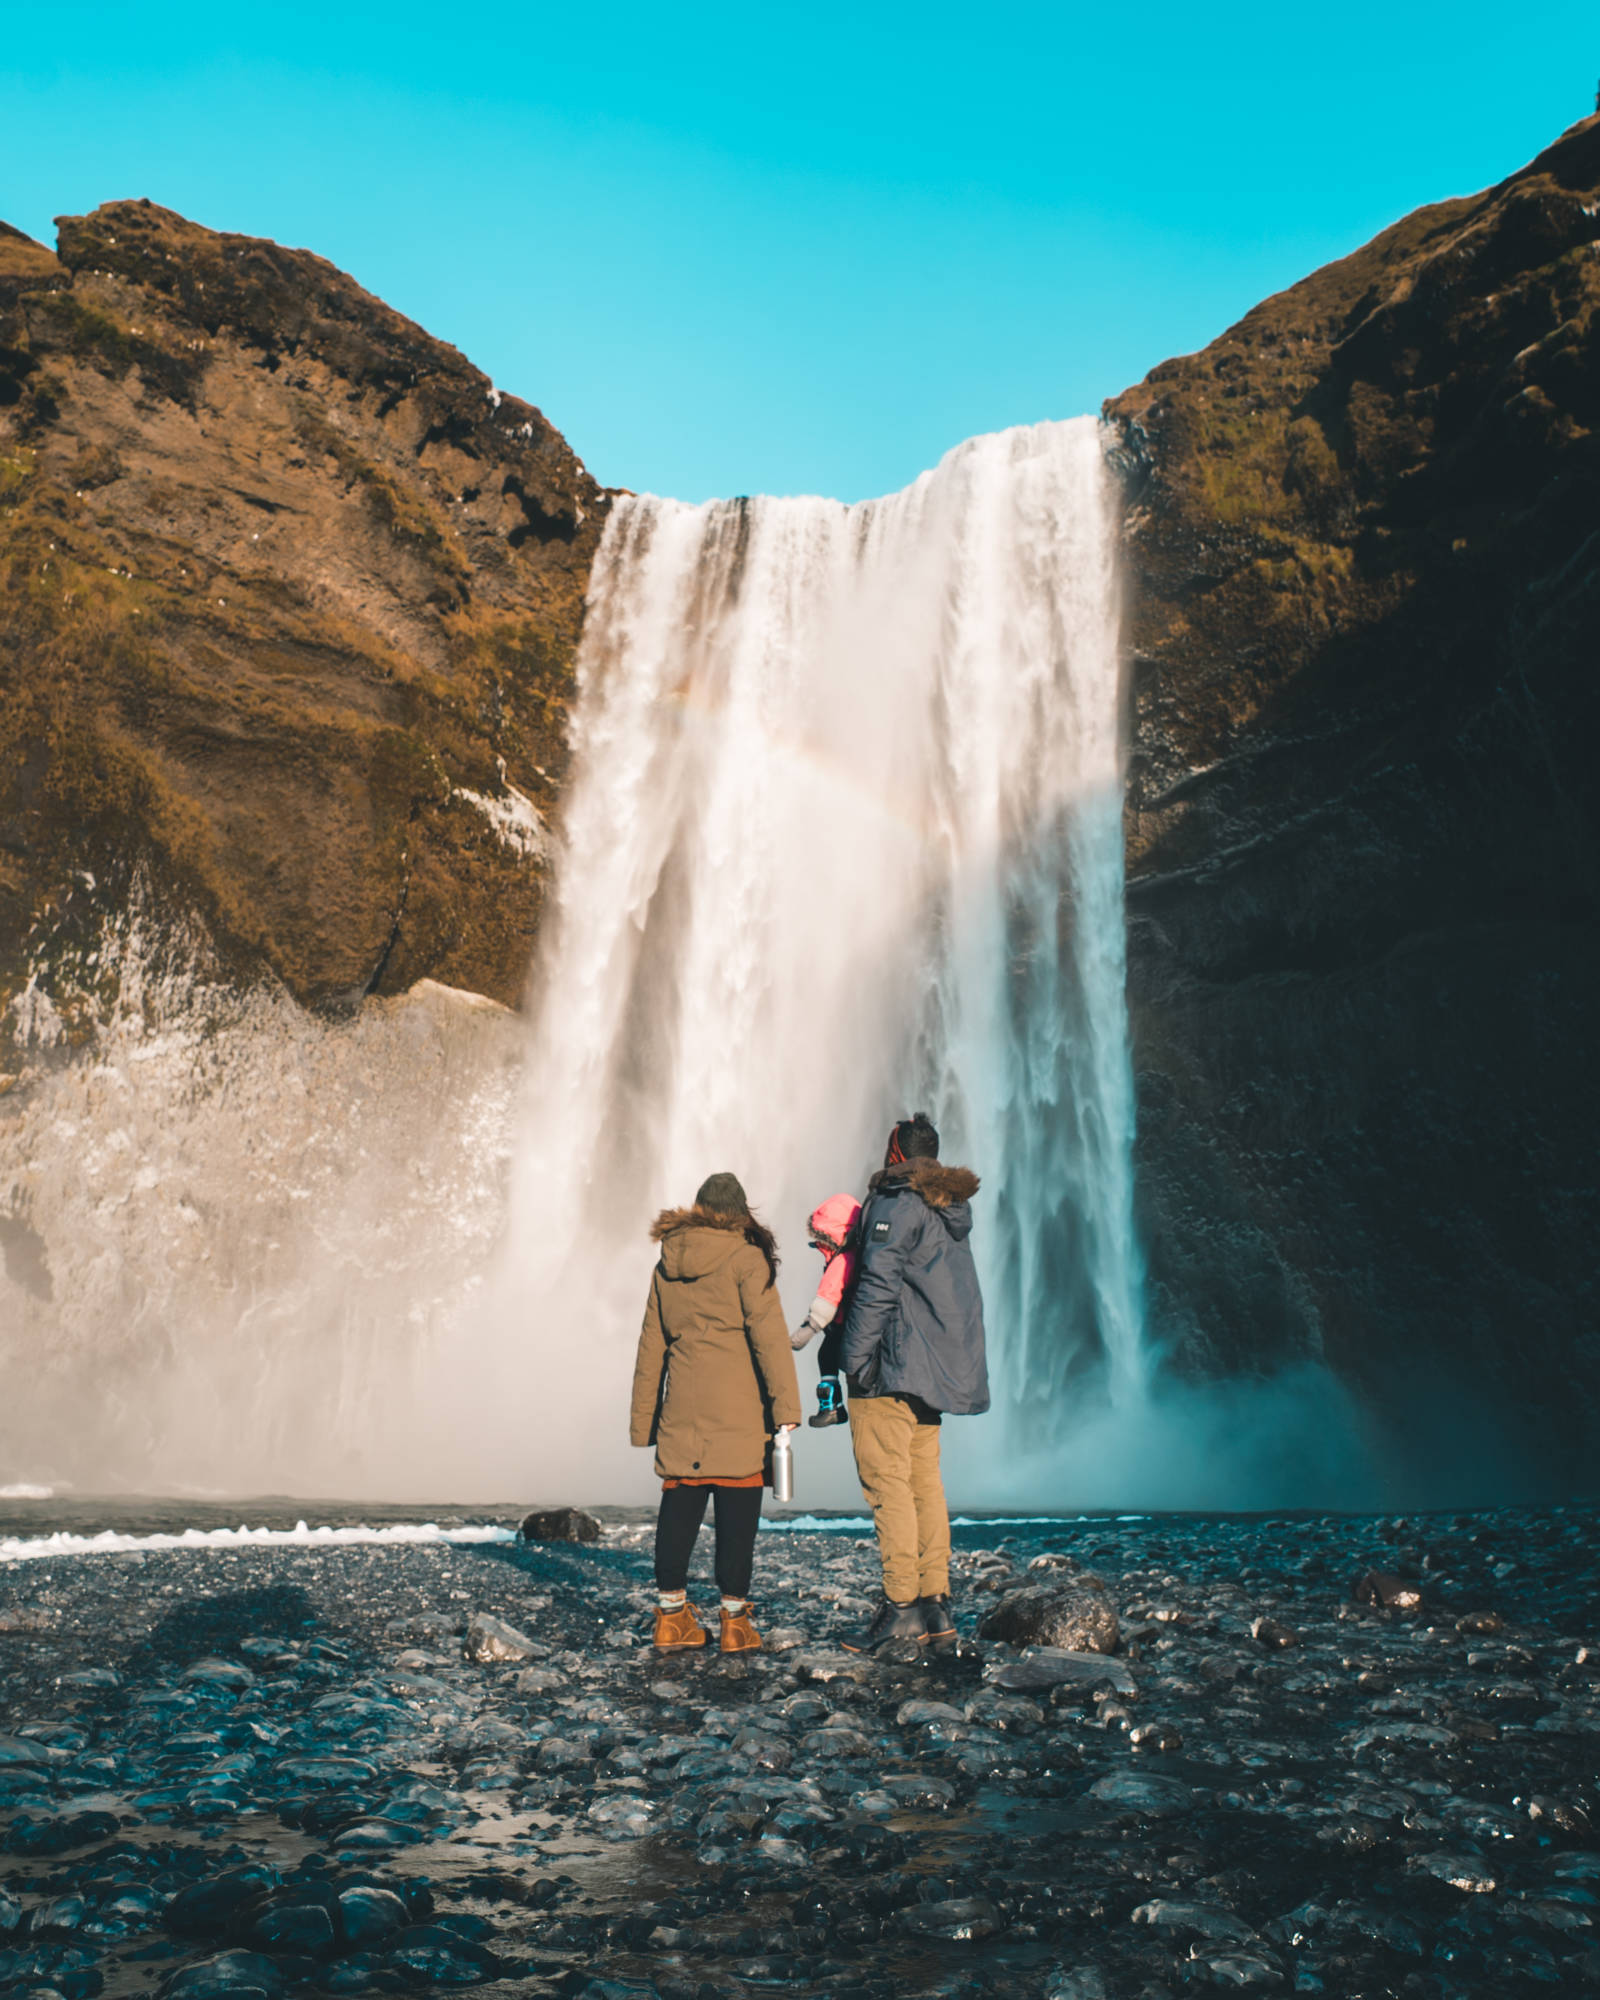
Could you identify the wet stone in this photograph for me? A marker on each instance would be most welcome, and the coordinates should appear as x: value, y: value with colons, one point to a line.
x: 491, y: 1641
x: 57, y: 1834
x: 1077, y: 1983
x: 1193, y: 1920
x: 295, y: 1925
x: 1074, y: 1616
x: 376, y: 1835
x: 17, y: 1750
x: 1386, y: 1591
x: 1234, y: 1971
x: 1144, y: 1794
x: 230, y: 1975
x: 958, y: 1917
x: 1459, y: 1871
x: 1155, y: 1736
x: 1046, y: 1667
x: 539, y: 1680
x: 228, y: 1675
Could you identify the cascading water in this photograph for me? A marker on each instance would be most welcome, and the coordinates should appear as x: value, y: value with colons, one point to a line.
x: 845, y: 840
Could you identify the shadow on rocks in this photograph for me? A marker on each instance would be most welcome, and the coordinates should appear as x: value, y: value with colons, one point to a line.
x: 209, y: 1624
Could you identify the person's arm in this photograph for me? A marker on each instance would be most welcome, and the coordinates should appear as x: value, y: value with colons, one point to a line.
x: 877, y: 1292
x: 648, y: 1370
x: 819, y: 1317
x: 769, y: 1338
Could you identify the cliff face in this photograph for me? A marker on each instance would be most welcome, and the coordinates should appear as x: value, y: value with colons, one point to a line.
x: 292, y: 596
x: 1364, y: 612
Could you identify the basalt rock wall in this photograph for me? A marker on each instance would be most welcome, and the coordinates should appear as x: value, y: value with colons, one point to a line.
x: 1364, y: 624
x: 292, y: 595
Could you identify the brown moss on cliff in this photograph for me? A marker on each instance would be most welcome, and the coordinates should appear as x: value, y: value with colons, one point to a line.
x: 286, y: 578
x: 1398, y: 415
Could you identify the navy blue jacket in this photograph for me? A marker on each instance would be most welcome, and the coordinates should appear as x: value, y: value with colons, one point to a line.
x: 914, y: 1324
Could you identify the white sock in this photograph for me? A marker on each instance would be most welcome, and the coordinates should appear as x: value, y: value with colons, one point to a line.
x: 734, y: 1605
x: 672, y: 1600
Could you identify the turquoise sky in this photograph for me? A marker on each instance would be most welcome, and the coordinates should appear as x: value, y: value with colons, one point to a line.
x: 791, y: 248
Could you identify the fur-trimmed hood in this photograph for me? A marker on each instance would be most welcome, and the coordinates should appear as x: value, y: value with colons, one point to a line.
x: 682, y: 1260
x: 939, y: 1186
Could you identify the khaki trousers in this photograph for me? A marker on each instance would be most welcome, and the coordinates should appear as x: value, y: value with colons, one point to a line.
x: 897, y: 1459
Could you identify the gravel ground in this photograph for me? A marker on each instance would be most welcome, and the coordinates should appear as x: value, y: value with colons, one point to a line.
x: 274, y: 1769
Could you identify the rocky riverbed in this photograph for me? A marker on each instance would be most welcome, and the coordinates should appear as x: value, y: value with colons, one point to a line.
x: 269, y: 1770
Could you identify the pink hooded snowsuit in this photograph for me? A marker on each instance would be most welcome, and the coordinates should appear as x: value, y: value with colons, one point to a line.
x: 831, y: 1226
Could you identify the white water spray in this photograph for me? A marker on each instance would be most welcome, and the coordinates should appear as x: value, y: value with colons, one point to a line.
x: 845, y: 840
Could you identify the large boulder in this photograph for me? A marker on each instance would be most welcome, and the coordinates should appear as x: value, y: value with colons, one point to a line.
x: 559, y: 1524
x: 1072, y: 1613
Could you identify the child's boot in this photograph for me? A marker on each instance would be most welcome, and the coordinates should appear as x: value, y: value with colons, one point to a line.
x: 830, y: 1404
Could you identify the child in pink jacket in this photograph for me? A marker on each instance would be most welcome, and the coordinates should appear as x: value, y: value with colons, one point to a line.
x: 832, y: 1232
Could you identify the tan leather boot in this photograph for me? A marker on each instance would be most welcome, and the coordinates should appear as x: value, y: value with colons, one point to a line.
x: 678, y: 1629
x: 738, y: 1634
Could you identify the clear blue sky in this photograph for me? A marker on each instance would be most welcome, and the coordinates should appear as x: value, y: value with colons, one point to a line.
x: 775, y: 247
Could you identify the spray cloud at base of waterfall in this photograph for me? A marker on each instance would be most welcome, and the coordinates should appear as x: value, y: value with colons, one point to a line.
x: 239, y: 1224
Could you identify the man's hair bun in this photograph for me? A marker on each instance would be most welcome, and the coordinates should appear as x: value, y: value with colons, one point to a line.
x: 916, y: 1138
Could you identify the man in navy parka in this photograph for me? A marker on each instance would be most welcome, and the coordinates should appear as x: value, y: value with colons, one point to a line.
x: 913, y: 1352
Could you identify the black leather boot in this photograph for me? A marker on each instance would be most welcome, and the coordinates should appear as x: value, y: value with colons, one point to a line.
x: 894, y: 1624
x: 939, y: 1628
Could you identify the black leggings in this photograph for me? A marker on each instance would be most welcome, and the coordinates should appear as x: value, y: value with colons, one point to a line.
x: 683, y: 1508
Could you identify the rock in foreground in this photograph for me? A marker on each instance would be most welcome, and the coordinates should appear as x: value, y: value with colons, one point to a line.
x: 1074, y: 1617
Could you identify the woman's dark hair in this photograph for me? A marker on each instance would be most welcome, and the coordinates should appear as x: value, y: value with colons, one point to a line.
x: 723, y: 1194
x: 762, y: 1237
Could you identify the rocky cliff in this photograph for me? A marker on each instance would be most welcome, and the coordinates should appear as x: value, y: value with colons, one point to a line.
x: 1364, y: 613
x: 292, y: 596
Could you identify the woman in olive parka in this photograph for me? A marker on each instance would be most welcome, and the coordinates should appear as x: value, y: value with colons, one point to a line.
x: 714, y: 1379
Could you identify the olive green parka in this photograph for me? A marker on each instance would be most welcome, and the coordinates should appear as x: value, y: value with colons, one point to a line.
x: 715, y: 1371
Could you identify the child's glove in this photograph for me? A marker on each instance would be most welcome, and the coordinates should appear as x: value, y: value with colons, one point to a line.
x: 804, y: 1333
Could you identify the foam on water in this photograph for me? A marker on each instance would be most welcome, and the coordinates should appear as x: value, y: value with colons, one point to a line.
x: 29, y: 1548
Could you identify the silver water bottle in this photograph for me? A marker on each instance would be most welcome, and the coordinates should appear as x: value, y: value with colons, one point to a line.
x: 782, y: 1467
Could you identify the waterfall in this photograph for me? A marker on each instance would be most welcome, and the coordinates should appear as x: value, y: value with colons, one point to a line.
x: 843, y: 841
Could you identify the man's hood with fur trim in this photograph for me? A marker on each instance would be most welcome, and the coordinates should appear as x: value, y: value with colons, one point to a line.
x: 948, y: 1191
x: 696, y: 1241
x: 939, y: 1185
